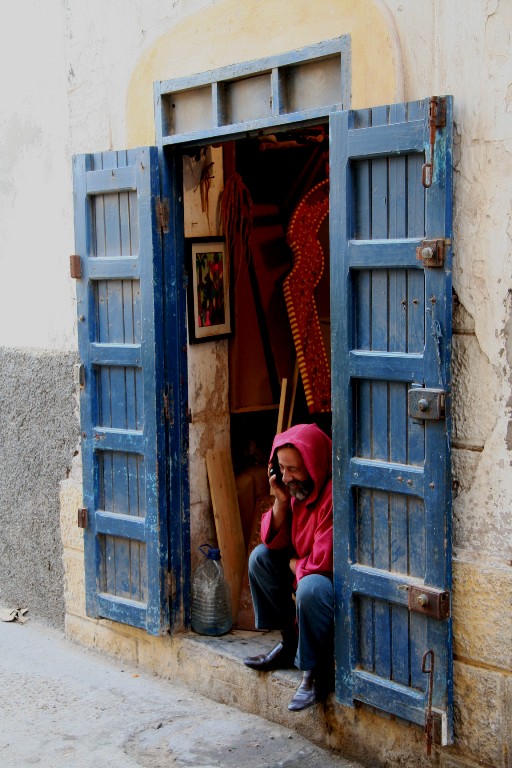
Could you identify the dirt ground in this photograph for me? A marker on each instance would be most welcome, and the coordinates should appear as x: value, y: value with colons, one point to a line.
x: 62, y: 705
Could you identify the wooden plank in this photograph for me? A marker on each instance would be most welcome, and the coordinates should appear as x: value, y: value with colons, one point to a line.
x: 116, y: 354
x: 389, y: 366
x: 227, y: 521
x: 379, y: 403
x: 323, y: 49
x: 282, y: 401
x: 398, y: 407
x: 387, y: 476
x: 111, y: 180
x: 383, y: 253
x: 400, y: 138
x: 294, y: 394
x: 389, y: 696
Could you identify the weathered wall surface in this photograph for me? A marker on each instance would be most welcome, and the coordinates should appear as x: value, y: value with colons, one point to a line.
x: 38, y: 414
x: 85, y: 86
x: 427, y: 49
x: 448, y: 50
x: 38, y: 436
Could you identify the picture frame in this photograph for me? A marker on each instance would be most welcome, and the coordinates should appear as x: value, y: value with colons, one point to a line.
x: 208, y: 292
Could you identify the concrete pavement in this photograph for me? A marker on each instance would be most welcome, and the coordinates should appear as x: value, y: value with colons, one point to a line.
x: 62, y: 705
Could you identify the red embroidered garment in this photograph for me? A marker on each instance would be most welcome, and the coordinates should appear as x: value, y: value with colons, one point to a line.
x: 299, y: 286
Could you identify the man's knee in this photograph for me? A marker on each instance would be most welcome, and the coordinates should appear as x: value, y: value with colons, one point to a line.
x: 258, y: 559
x: 313, y: 591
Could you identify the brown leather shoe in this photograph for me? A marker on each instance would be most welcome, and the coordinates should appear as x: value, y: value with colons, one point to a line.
x: 280, y: 657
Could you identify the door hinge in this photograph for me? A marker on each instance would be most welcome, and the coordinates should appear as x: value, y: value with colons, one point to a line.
x: 429, y: 601
x: 431, y: 252
x: 170, y: 586
x: 75, y: 266
x: 82, y: 521
x: 79, y: 375
x: 426, y: 403
x: 436, y: 120
x: 162, y: 214
x: 168, y: 405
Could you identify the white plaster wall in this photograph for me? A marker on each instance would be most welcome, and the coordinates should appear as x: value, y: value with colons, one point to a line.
x: 36, y: 296
x: 65, y: 67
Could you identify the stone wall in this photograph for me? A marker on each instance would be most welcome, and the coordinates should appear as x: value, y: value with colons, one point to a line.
x: 38, y: 437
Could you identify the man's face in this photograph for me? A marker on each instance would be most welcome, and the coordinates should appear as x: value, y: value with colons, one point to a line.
x: 295, y: 475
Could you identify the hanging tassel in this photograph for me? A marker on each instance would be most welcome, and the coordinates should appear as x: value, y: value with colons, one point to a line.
x: 236, y: 218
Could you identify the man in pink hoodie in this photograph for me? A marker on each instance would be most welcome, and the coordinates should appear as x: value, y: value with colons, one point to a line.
x: 296, y: 557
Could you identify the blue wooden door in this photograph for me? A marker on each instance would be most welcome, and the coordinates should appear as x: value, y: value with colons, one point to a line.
x: 391, y: 336
x: 119, y: 297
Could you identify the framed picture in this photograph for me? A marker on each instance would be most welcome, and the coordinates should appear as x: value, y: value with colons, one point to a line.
x: 208, y: 298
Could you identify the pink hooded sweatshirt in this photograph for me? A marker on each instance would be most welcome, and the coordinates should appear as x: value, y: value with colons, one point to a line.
x: 308, y: 528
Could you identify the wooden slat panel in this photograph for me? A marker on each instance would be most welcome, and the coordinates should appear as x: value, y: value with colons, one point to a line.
x: 116, y: 332
x: 111, y: 180
x: 397, y: 319
x: 390, y: 697
x: 126, y: 611
x: 109, y: 439
x: 402, y: 138
x: 387, y: 366
x: 123, y: 526
x: 390, y: 340
x: 387, y: 477
x: 116, y: 192
x: 383, y: 254
x: 382, y: 584
x: 128, y: 355
x: 114, y: 267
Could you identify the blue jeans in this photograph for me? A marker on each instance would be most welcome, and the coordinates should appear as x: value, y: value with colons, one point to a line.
x: 271, y: 583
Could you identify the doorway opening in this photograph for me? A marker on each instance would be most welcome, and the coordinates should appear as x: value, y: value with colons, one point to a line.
x: 277, y: 171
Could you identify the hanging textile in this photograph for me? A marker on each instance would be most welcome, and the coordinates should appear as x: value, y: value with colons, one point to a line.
x: 299, y: 287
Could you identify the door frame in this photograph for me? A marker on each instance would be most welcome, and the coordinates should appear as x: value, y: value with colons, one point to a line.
x: 217, y: 89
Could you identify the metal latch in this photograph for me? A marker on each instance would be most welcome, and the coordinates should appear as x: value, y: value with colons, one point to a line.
x: 431, y: 253
x: 426, y: 403
x: 82, y: 517
x: 429, y: 601
x: 162, y: 214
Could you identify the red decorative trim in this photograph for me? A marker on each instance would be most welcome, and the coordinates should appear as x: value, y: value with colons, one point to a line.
x: 299, y: 286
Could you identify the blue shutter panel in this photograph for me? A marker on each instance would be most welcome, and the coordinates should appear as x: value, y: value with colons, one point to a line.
x: 120, y: 345
x: 391, y: 331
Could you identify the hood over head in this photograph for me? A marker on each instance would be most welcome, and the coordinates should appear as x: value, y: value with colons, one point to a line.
x: 315, y: 448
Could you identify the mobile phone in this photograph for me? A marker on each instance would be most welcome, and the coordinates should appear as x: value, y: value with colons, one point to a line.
x: 275, y: 469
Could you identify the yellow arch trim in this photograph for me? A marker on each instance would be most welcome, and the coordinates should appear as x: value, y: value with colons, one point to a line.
x: 233, y: 31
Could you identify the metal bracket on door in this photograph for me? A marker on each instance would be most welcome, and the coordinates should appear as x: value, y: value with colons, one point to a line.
x: 436, y: 120
x: 429, y: 601
x: 426, y: 403
x: 82, y: 517
x: 431, y: 252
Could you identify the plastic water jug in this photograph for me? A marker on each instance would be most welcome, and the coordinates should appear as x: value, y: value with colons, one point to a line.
x: 211, y: 598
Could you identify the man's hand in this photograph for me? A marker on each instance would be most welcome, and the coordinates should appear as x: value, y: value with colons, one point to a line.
x: 278, y: 489
x: 293, y: 565
x: 281, y: 502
